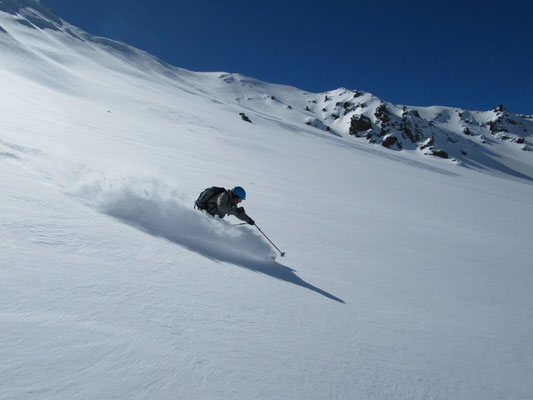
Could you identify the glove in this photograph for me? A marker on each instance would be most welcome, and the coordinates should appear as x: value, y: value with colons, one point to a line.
x: 240, y: 209
x: 251, y: 222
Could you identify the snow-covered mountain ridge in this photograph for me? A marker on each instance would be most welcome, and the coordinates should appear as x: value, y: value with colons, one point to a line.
x: 484, y: 140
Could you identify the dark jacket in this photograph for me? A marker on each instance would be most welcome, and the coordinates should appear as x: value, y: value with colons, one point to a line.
x: 223, y: 204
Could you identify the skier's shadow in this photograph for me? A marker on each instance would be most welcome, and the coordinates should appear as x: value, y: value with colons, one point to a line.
x: 278, y: 271
x: 287, y: 274
x: 270, y: 268
x: 156, y: 223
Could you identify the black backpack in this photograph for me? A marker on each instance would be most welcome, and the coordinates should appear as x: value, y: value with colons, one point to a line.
x: 206, y: 195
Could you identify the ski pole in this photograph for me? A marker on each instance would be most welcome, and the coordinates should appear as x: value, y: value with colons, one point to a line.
x: 280, y: 252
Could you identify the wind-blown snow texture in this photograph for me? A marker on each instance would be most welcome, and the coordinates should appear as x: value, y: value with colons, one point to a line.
x: 407, y: 274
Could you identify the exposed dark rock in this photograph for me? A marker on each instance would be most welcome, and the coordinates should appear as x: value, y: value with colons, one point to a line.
x: 384, y: 131
x: 382, y: 113
x: 391, y: 140
x: 359, y: 124
x: 315, y: 122
x: 244, y: 117
x: 348, y: 107
x: 427, y: 143
x: 496, y: 126
x: 432, y: 151
x: 438, y: 153
x: 412, y: 113
x: 410, y: 130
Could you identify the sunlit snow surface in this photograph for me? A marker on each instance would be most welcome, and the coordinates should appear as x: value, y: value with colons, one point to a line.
x: 406, y: 277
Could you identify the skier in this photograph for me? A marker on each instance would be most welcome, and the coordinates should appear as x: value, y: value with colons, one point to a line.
x: 217, y: 201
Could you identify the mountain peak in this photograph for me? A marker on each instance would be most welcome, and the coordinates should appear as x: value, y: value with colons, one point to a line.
x: 461, y: 136
x: 32, y: 12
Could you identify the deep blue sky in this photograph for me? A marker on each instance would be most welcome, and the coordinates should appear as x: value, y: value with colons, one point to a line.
x: 469, y: 54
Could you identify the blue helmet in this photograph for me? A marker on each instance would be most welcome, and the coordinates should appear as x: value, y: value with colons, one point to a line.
x: 239, y: 191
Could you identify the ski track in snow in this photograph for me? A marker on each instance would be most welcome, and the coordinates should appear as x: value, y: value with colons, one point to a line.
x: 157, y: 209
x: 161, y: 211
x: 151, y: 206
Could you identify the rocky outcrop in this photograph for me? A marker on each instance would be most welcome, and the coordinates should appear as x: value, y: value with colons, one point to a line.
x: 444, y: 132
x: 391, y: 140
x: 359, y: 125
x: 244, y: 117
x: 315, y: 122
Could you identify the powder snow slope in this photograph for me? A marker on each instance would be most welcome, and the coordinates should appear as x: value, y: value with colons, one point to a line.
x: 406, y: 276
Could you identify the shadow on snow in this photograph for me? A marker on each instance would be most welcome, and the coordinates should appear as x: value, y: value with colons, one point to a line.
x: 210, y: 237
